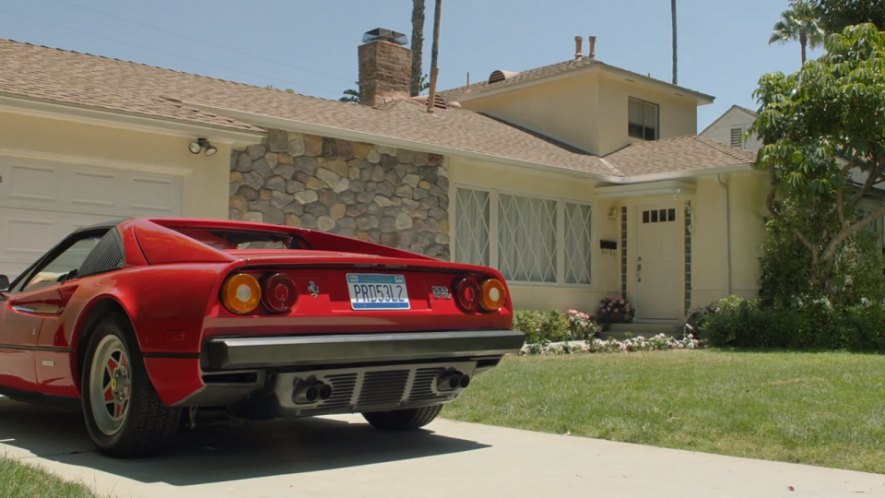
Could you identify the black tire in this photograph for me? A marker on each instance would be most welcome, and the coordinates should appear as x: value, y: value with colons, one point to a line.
x: 144, y: 426
x: 403, y: 420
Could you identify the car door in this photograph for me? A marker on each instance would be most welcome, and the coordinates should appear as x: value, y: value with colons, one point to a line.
x: 38, y: 295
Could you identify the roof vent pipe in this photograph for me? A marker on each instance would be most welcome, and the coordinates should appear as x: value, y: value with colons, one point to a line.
x: 579, y: 49
x: 591, y: 41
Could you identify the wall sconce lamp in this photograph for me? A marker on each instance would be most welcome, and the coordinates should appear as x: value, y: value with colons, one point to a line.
x: 613, y: 213
x: 200, y: 145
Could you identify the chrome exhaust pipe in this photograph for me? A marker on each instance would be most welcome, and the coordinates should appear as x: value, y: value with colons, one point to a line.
x: 451, y: 380
x: 309, y: 391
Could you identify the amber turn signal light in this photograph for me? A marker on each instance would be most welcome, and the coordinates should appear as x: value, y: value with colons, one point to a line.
x: 241, y: 293
x: 493, y: 294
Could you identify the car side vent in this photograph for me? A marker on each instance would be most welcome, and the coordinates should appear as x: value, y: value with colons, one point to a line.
x: 106, y: 256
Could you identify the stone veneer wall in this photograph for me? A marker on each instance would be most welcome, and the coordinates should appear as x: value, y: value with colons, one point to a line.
x: 393, y: 196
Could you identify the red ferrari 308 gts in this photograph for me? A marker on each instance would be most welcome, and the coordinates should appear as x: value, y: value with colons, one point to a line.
x: 145, y: 321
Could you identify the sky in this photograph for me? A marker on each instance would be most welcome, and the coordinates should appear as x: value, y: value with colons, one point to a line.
x: 311, y: 47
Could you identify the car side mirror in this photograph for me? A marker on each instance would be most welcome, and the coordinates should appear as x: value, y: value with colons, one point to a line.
x: 4, y: 283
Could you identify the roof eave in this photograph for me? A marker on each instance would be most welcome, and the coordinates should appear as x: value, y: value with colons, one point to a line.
x: 295, y: 125
x: 700, y: 98
x: 127, y: 120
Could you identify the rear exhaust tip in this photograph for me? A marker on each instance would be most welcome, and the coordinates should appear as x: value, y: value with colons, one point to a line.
x: 451, y: 380
x: 309, y: 391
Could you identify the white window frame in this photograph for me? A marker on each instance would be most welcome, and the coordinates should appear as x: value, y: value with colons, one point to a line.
x: 494, y: 206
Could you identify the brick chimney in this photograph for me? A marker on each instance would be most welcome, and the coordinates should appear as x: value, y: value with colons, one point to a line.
x: 385, y: 67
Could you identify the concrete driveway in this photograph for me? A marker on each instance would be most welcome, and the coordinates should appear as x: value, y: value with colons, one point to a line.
x: 343, y: 456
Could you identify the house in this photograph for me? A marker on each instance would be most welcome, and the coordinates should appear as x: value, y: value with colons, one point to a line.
x: 731, y: 129
x: 578, y: 180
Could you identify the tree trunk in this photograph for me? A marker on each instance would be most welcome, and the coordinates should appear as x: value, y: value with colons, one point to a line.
x: 803, y: 40
x: 673, y: 18
x: 434, y: 53
x: 417, y: 46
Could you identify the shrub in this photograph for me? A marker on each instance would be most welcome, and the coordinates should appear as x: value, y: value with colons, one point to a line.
x: 805, y: 324
x: 615, y: 310
x: 541, y: 327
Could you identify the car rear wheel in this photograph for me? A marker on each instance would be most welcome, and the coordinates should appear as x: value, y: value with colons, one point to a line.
x: 403, y: 420
x: 124, y: 415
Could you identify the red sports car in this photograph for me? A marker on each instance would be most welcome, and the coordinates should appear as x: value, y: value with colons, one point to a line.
x: 144, y: 321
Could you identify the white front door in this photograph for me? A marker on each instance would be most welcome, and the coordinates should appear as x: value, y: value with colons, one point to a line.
x: 659, y: 262
x: 43, y: 201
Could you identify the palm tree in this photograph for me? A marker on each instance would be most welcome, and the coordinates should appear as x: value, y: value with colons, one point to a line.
x: 802, y: 23
x: 417, y: 46
x: 673, y: 19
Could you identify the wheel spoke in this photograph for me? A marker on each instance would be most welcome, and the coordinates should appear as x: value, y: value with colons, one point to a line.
x: 108, y: 394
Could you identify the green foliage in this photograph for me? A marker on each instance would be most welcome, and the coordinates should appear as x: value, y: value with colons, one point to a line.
x: 807, y: 324
x: 820, y: 126
x: 836, y: 15
x: 801, y: 23
x: 542, y: 327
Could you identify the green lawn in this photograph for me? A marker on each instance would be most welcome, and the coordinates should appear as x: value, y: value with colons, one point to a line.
x: 816, y: 408
x: 18, y: 480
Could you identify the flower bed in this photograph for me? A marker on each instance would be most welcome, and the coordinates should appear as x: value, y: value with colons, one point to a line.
x: 658, y: 342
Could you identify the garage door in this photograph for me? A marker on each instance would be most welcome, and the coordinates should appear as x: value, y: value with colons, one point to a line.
x: 41, y: 202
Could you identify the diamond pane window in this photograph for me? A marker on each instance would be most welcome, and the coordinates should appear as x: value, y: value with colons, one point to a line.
x: 527, y: 238
x: 472, y: 226
x: 577, y: 243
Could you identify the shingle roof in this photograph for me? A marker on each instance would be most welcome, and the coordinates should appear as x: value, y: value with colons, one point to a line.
x: 683, y: 154
x: 539, y: 73
x: 77, y: 79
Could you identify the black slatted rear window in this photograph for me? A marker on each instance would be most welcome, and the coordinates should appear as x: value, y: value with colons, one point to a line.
x: 107, y: 255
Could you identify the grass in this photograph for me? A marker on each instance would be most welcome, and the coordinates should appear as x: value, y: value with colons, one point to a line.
x: 18, y: 480
x: 823, y: 409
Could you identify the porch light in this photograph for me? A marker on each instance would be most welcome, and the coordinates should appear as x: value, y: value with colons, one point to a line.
x: 200, y: 145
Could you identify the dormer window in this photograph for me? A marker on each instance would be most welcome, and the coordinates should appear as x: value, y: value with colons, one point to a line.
x: 642, y: 119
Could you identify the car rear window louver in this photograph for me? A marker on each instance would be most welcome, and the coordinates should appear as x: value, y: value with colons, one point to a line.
x: 106, y: 256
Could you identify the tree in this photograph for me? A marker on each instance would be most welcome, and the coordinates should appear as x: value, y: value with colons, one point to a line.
x: 417, y: 47
x: 351, y: 95
x: 823, y: 130
x: 835, y: 15
x: 673, y: 22
x: 802, y: 23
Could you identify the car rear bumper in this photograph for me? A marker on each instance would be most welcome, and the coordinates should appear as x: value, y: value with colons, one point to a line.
x: 328, y: 350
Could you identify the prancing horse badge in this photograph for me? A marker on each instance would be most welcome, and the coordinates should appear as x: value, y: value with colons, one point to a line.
x: 313, y: 288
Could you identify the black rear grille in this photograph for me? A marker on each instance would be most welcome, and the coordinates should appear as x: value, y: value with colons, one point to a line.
x: 422, y: 387
x: 343, y: 386
x: 383, y: 388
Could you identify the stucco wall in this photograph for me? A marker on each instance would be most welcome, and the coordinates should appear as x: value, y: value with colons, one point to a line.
x: 204, y: 179
x: 746, y: 213
x: 589, y: 110
x: 677, y: 115
x: 565, y: 110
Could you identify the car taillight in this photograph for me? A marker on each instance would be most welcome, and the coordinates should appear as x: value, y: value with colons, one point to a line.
x: 480, y: 295
x: 493, y: 294
x: 467, y: 294
x: 241, y: 293
x: 279, y: 293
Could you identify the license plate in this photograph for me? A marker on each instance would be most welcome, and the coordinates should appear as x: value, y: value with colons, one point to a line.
x: 376, y: 291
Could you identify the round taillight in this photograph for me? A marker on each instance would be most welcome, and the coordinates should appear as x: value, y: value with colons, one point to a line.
x: 467, y: 294
x: 494, y: 293
x: 241, y: 293
x: 279, y: 293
